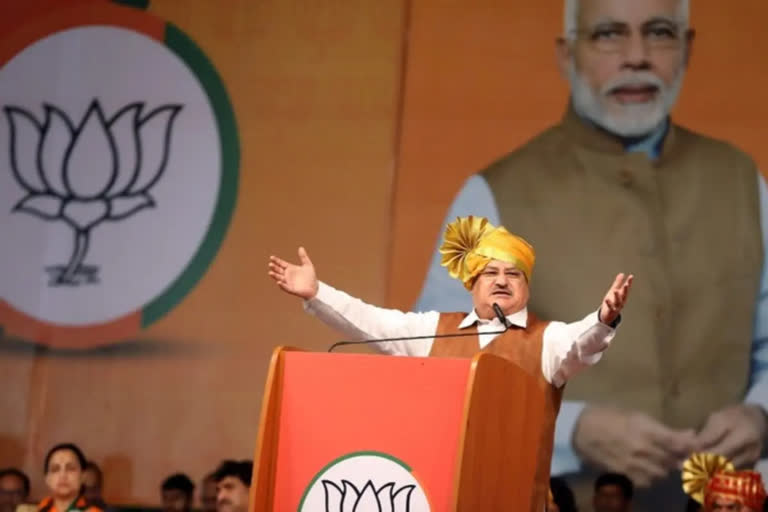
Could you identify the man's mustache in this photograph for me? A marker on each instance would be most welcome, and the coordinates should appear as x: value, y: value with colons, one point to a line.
x: 636, y: 79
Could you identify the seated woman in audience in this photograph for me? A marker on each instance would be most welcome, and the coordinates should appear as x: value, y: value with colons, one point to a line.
x: 64, y: 467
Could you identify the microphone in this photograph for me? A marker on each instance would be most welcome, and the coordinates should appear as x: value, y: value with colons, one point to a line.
x: 496, y: 309
x: 501, y: 316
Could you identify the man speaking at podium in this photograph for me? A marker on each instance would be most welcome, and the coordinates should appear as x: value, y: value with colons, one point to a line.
x: 496, y: 267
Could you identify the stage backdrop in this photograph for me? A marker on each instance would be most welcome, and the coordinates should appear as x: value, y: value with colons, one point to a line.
x: 153, y: 154
x: 278, y: 128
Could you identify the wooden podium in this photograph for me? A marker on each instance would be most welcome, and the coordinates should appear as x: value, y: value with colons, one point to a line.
x: 463, y: 434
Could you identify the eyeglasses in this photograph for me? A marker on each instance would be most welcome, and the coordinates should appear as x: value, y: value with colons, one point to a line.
x: 616, y: 37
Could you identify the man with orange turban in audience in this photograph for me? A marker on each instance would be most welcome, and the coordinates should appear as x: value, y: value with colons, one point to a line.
x: 712, y: 481
x: 496, y: 267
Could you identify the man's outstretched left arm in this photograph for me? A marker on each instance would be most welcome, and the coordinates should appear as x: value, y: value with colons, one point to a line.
x: 569, y: 348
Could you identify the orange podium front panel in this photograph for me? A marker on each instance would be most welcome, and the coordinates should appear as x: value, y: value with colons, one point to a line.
x: 358, y: 433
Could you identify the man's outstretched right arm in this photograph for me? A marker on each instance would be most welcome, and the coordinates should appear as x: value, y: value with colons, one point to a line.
x: 352, y: 317
x: 359, y: 321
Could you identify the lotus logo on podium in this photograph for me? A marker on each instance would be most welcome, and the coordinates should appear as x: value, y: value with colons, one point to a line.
x: 100, y: 169
x: 350, y: 499
x: 365, y: 482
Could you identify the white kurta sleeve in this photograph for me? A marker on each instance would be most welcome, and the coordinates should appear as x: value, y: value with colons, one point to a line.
x: 359, y: 321
x: 569, y: 348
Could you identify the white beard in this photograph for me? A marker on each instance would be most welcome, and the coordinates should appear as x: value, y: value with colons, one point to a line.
x: 633, y: 120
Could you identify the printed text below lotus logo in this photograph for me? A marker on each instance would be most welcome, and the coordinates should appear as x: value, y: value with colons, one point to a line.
x: 100, y: 169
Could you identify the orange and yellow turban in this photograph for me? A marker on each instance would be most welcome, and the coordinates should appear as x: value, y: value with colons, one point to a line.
x: 470, y: 243
x: 707, y: 477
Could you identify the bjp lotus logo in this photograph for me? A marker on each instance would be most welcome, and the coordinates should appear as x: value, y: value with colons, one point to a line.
x: 119, y: 172
x: 85, y: 173
x: 365, y: 482
x: 347, y: 498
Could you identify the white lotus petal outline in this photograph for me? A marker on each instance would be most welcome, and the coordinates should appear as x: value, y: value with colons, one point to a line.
x: 124, y: 129
x: 58, y: 135
x: 333, y: 496
x: 350, y: 494
x: 154, y: 131
x: 46, y: 206
x: 90, y: 164
x: 124, y: 206
x: 25, y: 134
x: 401, y: 499
x: 384, y: 494
x: 368, y: 501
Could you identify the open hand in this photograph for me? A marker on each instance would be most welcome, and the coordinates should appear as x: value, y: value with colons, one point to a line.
x: 299, y: 280
x: 615, y: 299
x: 630, y: 442
x: 736, y: 432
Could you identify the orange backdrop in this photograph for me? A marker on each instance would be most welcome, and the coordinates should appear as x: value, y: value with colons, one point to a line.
x: 315, y: 88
